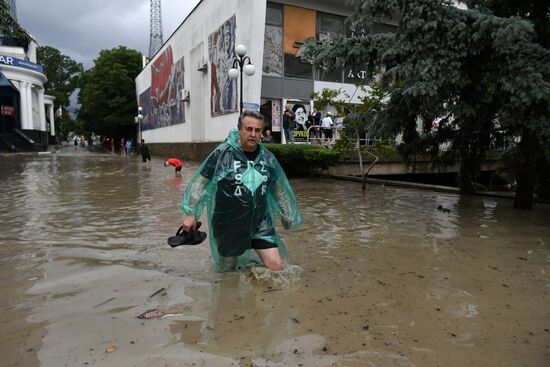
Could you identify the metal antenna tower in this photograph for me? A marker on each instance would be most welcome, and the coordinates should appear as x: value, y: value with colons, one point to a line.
x: 155, y: 39
x: 11, y: 6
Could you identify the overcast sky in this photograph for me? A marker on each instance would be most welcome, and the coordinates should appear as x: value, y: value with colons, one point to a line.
x: 82, y: 28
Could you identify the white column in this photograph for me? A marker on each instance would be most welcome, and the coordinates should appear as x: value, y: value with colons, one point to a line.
x: 42, y: 109
x: 52, y: 122
x: 30, y: 121
x: 23, y: 104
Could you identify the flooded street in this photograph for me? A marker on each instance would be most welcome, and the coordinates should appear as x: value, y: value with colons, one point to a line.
x: 387, y: 279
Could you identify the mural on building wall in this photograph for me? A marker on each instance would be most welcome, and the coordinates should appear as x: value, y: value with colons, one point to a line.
x: 273, y: 51
x: 145, y: 103
x: 221, y: 53
x: 162, y: 105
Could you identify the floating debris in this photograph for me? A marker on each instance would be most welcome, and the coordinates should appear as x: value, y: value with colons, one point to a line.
x: 157, y: 292
x: 155, y: 313
x: 105, y: 302
x: 151, y: 314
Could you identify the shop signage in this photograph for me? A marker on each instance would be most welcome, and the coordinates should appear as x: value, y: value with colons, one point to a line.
x: 19, y: 63
x: 251, y: 106
x: 7, y: 111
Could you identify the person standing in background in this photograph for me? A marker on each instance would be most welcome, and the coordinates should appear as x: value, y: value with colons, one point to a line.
x: 326, y: 125
x: 122, y: 146
x: 288, y: 125
x: 129, y: 146
x: 144, y: 150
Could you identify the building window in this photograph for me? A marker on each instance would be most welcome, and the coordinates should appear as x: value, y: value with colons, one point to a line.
x: 329, y: 76
x: 274, y: 14
x: 329, y: 24
x: 383, y: 28
x: 295, y: 68
x: 299, y: 25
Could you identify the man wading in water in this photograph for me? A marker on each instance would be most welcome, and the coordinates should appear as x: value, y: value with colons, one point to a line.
x: 243, y: 187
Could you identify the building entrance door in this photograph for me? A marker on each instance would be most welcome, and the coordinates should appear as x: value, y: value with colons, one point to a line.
x: 8, y: 112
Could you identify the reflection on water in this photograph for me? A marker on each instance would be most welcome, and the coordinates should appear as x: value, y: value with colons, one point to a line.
x: 387, y: 276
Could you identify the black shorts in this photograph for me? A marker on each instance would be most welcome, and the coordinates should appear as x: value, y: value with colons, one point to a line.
x: 259, y: 244
x: 328, y: 133
x: 178, y: 169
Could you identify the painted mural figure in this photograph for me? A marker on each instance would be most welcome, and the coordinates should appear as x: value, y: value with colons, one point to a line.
x: 160, y: 78
x: 161, y: 104
x: 273, y: 51
x: 229, y: 100
x: 221, y: 52
x: 215, y: 93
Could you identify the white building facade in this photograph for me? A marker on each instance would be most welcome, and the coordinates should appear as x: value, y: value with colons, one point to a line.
x: 26, y: 112
x: 185, y: 93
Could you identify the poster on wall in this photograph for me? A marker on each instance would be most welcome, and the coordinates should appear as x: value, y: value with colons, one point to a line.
x: 276, y: 115
x: 221, y: 53
x: 162, y: 105
x: 301, y: 112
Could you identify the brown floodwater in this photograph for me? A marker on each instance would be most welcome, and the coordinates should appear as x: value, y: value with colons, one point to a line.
x: 387, y: 278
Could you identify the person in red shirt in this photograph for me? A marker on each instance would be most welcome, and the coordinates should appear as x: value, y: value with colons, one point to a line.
x: 174, y: 162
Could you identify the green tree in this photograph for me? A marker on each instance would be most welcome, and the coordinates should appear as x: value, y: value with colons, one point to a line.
x: 107, y: 95
x: 63, y: 74
x: 10, y: 28
x: 481, y: 75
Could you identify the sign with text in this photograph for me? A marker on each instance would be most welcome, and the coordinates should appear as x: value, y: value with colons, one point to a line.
x: 19, y: 63
x: 251, y: 106
x: 7, y: 110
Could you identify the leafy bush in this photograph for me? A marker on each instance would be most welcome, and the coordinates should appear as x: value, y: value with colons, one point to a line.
x: 303, y: 159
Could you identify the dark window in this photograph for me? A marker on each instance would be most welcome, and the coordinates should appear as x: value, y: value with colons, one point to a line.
x: 274, y: 14
x: 329, y: 23
x: 295, y: 68
x: 329, y: 76
x: 383, y: 28
x: 375, y: 28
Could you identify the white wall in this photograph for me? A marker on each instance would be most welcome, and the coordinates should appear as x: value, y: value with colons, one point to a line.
x: 205, y: 19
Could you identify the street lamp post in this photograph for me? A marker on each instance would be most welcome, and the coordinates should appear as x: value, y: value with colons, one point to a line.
x: 242, y: 62
x: 139, y: 117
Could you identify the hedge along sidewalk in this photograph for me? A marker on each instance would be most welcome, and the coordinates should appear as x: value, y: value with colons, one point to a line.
x: 303, y: 159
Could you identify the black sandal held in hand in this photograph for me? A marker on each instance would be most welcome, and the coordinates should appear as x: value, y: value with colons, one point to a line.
x: 183, y: 237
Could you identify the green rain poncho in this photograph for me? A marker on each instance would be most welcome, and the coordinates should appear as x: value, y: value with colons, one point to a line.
x: 242, y: 198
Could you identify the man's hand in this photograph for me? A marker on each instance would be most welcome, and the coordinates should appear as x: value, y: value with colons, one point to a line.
x: 189, y: 223
x: 287, y: 222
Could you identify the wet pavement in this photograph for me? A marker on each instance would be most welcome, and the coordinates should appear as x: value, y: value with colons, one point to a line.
x: 387, y: 278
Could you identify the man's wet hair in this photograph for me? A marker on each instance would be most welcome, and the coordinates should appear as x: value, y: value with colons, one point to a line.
x: 249, y: 113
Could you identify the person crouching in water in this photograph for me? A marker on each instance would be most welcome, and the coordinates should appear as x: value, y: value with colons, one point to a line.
x: 176, y: 163
x: 244, y: 187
